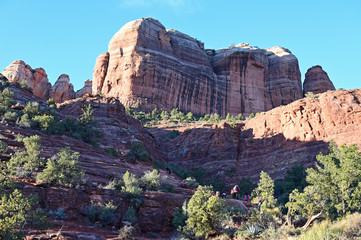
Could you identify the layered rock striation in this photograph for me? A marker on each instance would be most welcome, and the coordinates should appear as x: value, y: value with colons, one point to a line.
x: 86, y: 90
x: 37, y: 79
x: 149, y: 66
x: 317, y: 81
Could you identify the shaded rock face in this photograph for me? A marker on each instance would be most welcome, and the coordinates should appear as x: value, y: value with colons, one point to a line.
x: 87, y: 89
x: 62, y: 90
x: 36, y: 79
x: 273, y: 141
x: 317, y: 81
x: 149, y: 66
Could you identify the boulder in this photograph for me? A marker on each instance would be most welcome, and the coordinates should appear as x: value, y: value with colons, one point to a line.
x: 317, y: 81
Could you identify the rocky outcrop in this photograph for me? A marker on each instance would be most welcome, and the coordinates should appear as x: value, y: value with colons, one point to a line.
x: 87, y: 89
x: 100, y: 71
x: 62, y: 90
x: 149, y: 66
x: 317, y: 81
x: 37, y: 79
x: 273, y: 141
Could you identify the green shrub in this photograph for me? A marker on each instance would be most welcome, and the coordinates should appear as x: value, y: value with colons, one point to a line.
x: 352, y: 226
x: 180, y: 216
x: 310, y: 95
x: 265, y: 190
x: 39, y: 220
x: 25, y: 121
x: 30, y: 158
x: 102, y: 212
x: 45, y: 122
x: 191, y: 181
x: 32, y: 109
x: 58, y: 214
x: 22, y: 173
x: 131, y: 184
x: 111, y: 151
x: 173, y: 134
x: 205, y: 214
x: 114, y: 184
x: 137, y: 152
x: 3, y: 147
x: 63, y: 169
x: 10, y: 116
x: 51, y: 103
x: 246, y: 186
x: 14, y: 208
x: 151, y: 180
x: 126, y: 232
x: 129, y: 216
x: 7, y: 98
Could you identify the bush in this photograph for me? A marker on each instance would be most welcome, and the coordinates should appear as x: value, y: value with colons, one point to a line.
x: 126, y: 232
x: 111, y: 151
x: 129, y: 216
x: 45, y: 122
x: 3, y: 147
x: 29, y: 159
x: 25, y: 121
x: 246, y: 186
x: 137, y: 152
x: 173, y: 134
x: 310, y: 95
x: 63, y: 169
x: 32, y: 109
x: 14, y: 208
x: 265, y: 190
x: 58, y: 214
x: 131, y: 184
x: 7, y: 98
x: 51, y: 103
x: 205, y: 214
x: 114, y: 184
x: 151, y: 180
x: 352, y: 226
x: 180, y: 216
x: 102, y: 212
x: 10, y: 116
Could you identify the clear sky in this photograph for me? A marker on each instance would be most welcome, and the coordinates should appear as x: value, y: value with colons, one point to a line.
x: 66, y: 36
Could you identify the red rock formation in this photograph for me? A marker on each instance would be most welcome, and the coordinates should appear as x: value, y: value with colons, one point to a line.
x: 154, y: 67
x: 317, y: 81
x: 36, y: 79
x: 87, y: 89
x: 274, y: 141
x: 62, y: 89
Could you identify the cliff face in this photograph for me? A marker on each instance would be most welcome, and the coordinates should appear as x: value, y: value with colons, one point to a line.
x: 149, y: 66
x: 273, y: 141
x: 317, y: 81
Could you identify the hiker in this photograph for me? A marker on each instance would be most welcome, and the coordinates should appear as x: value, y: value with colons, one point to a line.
x: 235, y: 191
x: 218, y: 194
x: 224, y: 195
x: 168, y: 170
x: 259, y: 204
x: 246, y: 197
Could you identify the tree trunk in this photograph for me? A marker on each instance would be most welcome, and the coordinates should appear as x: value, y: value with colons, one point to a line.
x: 289, y: 222
x: 310, y: 219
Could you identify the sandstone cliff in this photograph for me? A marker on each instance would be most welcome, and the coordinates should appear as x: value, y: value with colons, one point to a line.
x: 37, y: 79
x: 273, y: 141
x: 149, y: 66
x: 62, y: 90
x: 317, y: 81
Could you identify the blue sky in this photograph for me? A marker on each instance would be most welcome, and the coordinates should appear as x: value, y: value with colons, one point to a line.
x: 66, y: 36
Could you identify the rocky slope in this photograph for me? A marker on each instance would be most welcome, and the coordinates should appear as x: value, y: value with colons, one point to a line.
x: 147, y: 66
x: 273, y: 141
x: 119, y: 132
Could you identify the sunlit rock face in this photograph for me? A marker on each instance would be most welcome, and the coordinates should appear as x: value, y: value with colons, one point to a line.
x: 147, y: 66
x: 36, y: 79
x: 317, y: 81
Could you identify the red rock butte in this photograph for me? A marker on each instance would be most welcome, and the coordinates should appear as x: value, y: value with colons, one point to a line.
x: 148, y: 66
